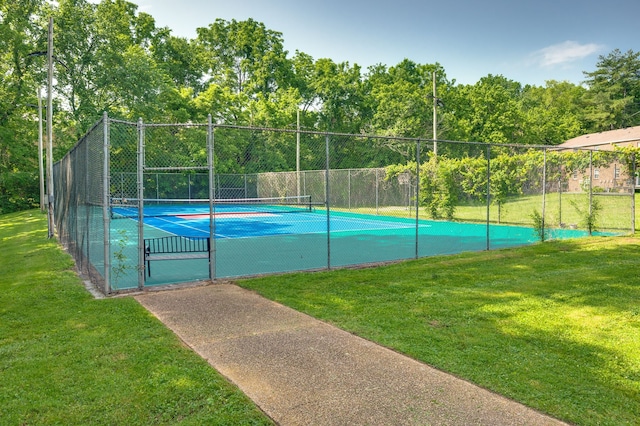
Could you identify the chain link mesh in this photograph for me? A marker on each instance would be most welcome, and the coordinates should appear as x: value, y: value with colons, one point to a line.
x: 78, y: 189
x: 371, y: 199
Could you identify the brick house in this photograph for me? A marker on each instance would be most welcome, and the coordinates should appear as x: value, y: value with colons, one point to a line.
x: 612, y: 178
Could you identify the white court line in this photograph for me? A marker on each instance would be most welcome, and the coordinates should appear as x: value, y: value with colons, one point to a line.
x: 178, y: 224
x: 377, y: 223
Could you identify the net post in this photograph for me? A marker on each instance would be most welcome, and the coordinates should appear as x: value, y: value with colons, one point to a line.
x: 212, y: 206
x: 140, y: 187
x: 106, y: 202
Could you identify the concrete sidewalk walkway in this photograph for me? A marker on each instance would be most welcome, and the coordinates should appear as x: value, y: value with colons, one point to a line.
x: 301, y: 371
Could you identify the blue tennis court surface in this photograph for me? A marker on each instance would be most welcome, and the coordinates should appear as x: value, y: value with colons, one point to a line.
x: 250, y: 242
x: 256, y: 224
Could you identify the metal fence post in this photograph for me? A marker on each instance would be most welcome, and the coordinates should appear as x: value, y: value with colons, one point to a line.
x: 634, y: 173
x: 560, y: 200
x: 590, y: 186
x: 417, y: 197
x: 544, y: 188
x: 140, y: 187
x: 349, y: 188
x: 212, y: 195
x: 327, y: 201
x: 106, y: 201
x: 377, y: 192
x: 488, y: 197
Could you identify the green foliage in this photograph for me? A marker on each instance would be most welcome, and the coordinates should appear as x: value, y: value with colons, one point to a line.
x: 401, y: 98
x: 439, y: 187
x: 613, y: 98
x: 339, y: 88
x: 538, y: 225
x: 509, y: 172
x: 552, y: 114
x: 630, y: 156
x: 589, y: 210
x: 121, y: 262
x: 445, y: 182
x: 112, y: 57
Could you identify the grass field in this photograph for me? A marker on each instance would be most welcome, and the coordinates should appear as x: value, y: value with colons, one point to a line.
x: 614, y: 213
x: 555, y: 326
x: 69, y: 359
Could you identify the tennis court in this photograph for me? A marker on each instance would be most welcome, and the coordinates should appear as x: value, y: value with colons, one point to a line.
x: 218, y: 195
x: 254, y: 218
x: 262, y: 238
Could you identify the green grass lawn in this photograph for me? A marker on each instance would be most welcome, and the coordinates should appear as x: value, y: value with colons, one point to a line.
x: 554, y: 325
x: 614, y: 214
x: 67, y: 358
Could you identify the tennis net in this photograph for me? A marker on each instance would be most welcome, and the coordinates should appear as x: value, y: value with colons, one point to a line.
x: 128, y: 207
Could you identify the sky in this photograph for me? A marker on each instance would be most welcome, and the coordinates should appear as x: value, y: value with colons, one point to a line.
x: 527, y: 41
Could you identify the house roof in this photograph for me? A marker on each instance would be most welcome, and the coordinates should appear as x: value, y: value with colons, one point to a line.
x: 611, y: 137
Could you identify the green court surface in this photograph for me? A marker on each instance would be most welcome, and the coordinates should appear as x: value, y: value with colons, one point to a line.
x: 255, y: 244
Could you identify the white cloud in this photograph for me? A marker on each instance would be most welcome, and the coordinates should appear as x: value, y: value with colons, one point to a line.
x: 564, y: 53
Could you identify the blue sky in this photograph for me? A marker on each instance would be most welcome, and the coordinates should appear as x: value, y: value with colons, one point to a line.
x: 526, y: 41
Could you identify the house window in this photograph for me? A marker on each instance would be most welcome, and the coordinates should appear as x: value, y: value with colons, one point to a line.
x: 596, y: 173
x: 616, y: 171
x: 575, y: 175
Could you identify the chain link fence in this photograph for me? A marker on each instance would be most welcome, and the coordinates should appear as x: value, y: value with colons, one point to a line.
x: 353, y: 199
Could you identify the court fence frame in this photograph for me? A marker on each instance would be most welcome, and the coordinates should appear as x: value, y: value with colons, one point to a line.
x: 121, y: 159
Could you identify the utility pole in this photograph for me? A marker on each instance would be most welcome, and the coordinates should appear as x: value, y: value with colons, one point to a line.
x: 50, y: 217
x: 435, y: 118
x: 43, y: 204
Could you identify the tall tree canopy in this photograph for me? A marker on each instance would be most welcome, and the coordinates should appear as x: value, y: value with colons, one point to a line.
x: 613, y: 99
x: 112, y: 57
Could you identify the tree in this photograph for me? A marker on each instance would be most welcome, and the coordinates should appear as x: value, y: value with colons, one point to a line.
x: 244, y: 56
x: 112, y: 57
x: 614, y: 91
x: 182, y: 60
x: 303, y: 67
x: 105, y: 63
x: 488, y: 111
x: 552, y: 114
x: 19, y: 72
x: 400, y: 99
x: 339, y: 95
